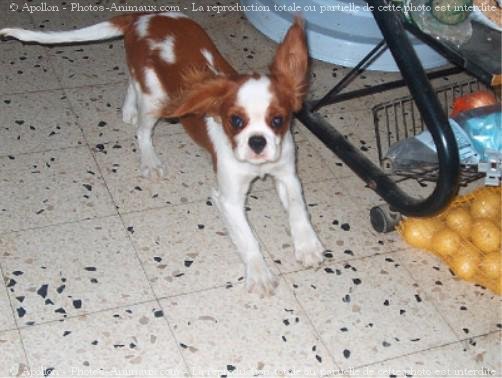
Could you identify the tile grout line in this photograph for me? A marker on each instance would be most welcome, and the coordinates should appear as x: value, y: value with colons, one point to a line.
x: 311, y: 323
x: 3, y: 233
x: 460, y: 341
x: 173, y: 335
x: 109, y: 309
x: 83, y: 314
x: 63, y: 88
x: 160, y: 207
x: 81, y: 145
x: 44, y: 151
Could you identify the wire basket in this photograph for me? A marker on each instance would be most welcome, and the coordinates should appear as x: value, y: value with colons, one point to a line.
x: 399, y: 119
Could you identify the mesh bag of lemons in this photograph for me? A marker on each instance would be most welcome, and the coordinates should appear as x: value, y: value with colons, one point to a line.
x: 467, y: 236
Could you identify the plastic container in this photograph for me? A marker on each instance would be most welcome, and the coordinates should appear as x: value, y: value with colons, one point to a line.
x: 342, y: 35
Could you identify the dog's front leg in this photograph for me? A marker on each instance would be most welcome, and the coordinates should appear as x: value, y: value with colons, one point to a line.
x: 230, y: 200
x: 308, y: 248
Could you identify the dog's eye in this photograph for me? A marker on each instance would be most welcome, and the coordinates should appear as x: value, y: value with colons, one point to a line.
x: 277, y: 121
x: 237, y: 122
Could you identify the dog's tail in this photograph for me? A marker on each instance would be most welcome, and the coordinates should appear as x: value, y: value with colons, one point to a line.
x: 113, y: 28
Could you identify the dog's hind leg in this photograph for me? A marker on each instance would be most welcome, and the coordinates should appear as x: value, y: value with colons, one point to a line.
x: 130, y: 106
x: 151, y: 166
x: 148, y: 110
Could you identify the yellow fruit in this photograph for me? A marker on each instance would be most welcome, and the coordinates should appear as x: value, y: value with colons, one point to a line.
x: 485, y: 235
x: 486, y: 205
x: 465, y: 265
x: 467, y: 248
x: 460, y: 221
x: 491, y: 265
x: 445, y: 242
x: 418, y: 232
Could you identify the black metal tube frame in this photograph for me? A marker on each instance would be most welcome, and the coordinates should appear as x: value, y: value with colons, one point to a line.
x: 328, y: 99
x: 436, y: 121
x: 357, y: 93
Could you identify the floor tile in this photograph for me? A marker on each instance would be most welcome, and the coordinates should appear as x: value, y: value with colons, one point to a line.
x: 99, y: 113
x: 459, y: 301
x: 71, y: 269
x: 271, y: 335
x: 425, y: 267
x: 357, y: 127
x: 184, y: 248
x: 253, y: 50
x: 49, y: 123
x: 461, y: 358
x: 6, y: 317
x: 461, y: 304
x: 352, y: 305
x: 311, y: 166
x: 365, y: 199
x: 12, y: 359
x: 25, y: 68
x: 50, y: 187
x: 224, y: 29
x: 335, y: 165
x: 189, y: 173
x: 132, y: 341
x: 83, y: 64
x: 80, y: 65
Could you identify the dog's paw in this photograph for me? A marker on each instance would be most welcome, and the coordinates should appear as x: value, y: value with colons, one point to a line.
x: 309, y: 252
x: 130, y: 116
x: 259, y: 279
x: 151, y: 168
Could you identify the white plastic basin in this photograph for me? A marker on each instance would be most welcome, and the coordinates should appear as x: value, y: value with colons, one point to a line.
x: 343, y: 34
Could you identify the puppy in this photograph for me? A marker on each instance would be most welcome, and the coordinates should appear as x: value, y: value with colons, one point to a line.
x: 242, y: 120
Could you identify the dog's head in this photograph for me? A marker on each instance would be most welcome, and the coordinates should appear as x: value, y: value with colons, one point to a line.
x: 254, y: 110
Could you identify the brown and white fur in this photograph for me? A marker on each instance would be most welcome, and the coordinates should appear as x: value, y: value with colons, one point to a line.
x: 242, y: 120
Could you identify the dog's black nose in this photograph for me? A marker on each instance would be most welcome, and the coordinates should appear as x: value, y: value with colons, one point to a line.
x: 257, y: 143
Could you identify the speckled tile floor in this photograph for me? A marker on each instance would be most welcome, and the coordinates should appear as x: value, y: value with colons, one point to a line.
x: 105, y: 272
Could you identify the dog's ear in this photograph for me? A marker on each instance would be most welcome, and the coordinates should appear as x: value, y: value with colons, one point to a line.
x: 290, y: 64
x: 202, y: 98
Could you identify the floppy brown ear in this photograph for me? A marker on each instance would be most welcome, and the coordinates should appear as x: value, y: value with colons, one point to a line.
x: 200, y: 99
x: 290, y: 64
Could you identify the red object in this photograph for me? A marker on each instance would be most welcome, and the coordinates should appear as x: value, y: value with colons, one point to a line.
x: 471, y: 101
